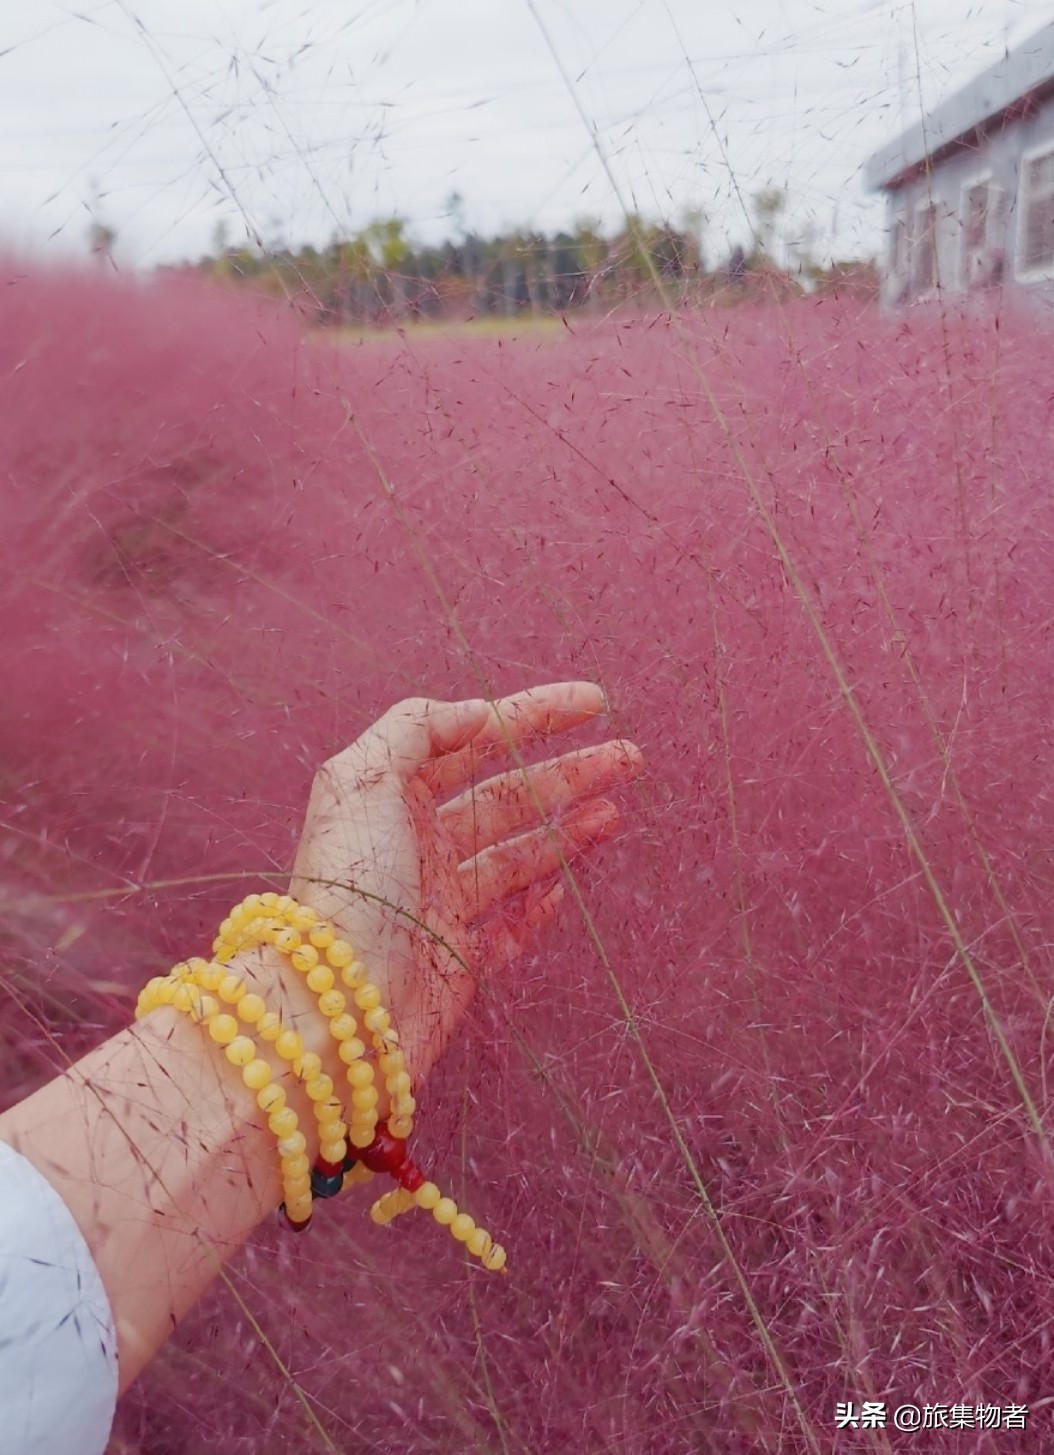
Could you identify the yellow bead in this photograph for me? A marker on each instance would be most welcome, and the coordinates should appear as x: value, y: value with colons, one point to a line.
x: 287, y: 941
x: 332, y: 1151
x: 377, y: 1021
x: 251, y: 1008
x: 351, y: 1053
x: 240, y: 1051
x: 269, y: 1026
x: 360, y: 1136
x: 400, y: 1126
x: 399, y: 1084
x: 305, y: 959
x: 231, y: 989
x: 427, y: 1195
x: 354, y: 975
x: 322, y: 936
x: 180, y: 972
x: 328, y: 1111
x: 463, y: 1227
x: 367, y: 997
x: 495, y: 1258
x: 331, y: 1003
x: 320, y: 978
x: 358, y: 1176
x: 223, y: 1029
x: 361, y: 1074
x: 285, y: 904
x: 339, y: 954
x: 289, y: 1045
x: 478, y: 1242
x: 320, y: 1088
x: 365, y: 1097
x: 445, y: 1211
x: 393, y: 1063
x: 250, y: 903
x: 302, y: 918
x: 403, y: 1106
x: 292, y: 1145
x: 283, y: 1123
x: 299, y: 1210
x: 298, y: 1166
x: 256, y: 1074
x: 308, y: 1066
x: 388, y: 1207
x: 269, y: 899
x: 271, y: 1098
x: 342, y: 1026
x: 296, y: 1187
x: 222, y: 952
x: 210, y: 977
x: 187, y: 998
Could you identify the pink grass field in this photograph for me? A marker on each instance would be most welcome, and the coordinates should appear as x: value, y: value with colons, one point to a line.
x: 227, y: 549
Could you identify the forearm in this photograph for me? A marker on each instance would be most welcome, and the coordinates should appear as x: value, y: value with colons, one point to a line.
x: 158, y: 1157
x: 163, y: 1157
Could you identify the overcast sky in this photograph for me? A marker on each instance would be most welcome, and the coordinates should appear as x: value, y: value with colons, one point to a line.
x: 296, y: 119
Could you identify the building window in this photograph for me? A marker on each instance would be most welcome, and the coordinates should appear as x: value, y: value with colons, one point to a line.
x: 976, y: 214
x: 898, y: 245
x: 1037, y: 207
x: 924, y: 252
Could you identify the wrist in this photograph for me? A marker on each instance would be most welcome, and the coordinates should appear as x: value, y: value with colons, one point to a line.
x: 267, y: 972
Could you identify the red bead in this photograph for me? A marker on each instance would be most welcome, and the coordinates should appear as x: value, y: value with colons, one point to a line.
x: 409, y: 1176
x: 329, y: 1169
x: 385, y: 1153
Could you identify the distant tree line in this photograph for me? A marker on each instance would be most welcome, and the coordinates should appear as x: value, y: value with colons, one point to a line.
x: 382, y: 276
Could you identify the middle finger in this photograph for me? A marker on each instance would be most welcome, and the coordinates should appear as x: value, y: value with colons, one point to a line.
x: 503, y: 805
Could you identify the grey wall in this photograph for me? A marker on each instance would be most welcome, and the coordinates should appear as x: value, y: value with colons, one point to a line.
x: 1000, y: 156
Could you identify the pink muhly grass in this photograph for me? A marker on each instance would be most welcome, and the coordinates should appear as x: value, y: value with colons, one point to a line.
x: 226, y: 549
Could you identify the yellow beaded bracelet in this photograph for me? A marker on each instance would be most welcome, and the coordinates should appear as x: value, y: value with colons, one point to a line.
x: 278, y: 920
x: 180, y: 992
x: 288, y: 1045
x: 371, y: 1146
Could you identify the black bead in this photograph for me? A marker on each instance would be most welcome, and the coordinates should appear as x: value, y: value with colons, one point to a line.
x: 326, y: 1186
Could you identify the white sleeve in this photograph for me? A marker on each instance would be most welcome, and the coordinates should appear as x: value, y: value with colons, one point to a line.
x: 58, y: 1349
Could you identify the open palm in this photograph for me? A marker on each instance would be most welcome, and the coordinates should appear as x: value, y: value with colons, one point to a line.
x: 435, y: 876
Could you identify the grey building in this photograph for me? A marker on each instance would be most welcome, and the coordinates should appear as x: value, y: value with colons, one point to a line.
x: 970, y: 189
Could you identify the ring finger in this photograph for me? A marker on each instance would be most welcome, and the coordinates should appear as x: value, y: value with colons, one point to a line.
x: 506, y: 868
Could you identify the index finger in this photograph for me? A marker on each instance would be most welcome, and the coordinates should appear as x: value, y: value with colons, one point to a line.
x: 512, y: 724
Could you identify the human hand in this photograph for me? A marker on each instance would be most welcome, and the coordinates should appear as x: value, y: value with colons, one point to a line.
x: 435, y: 877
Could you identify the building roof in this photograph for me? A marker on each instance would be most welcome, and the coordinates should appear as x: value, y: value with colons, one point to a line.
x: 1022, y: 72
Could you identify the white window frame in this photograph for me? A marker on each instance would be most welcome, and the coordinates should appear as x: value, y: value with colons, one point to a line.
x: 966, y: 278
x: 1023, y: 274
